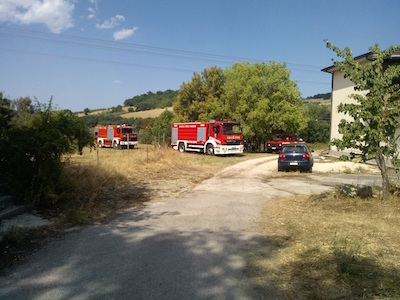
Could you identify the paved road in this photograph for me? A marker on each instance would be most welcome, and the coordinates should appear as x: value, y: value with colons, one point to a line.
x: 191, y: 246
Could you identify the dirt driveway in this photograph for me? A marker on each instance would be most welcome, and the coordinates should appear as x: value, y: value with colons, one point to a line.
x: 190, y: 246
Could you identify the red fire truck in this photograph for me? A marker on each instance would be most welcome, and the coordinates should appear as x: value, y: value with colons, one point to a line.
x: 280, y: 139
x: 116, y: 136
x: 214, y: 137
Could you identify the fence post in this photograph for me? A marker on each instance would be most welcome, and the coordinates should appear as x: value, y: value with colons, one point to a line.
x: 97, y: 152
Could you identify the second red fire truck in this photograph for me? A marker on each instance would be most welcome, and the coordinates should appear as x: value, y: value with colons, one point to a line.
x: 280, y: 139
x: 116, y: 136
x: 214, y: 137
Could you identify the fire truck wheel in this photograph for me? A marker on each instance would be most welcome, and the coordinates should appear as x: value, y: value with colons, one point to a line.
x: 210, y: 149
x: 100, y: 144
x: 115, y: 145
x: 181, y: 147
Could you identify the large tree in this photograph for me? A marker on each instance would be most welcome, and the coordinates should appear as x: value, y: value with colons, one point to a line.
x: 199, y: 99
x: 375, y: 111
x: 264, y: 99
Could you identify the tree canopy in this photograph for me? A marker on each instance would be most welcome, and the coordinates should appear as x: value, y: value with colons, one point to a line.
x: 264, y: 99
x: 199, y: 99
x: 375, y: 111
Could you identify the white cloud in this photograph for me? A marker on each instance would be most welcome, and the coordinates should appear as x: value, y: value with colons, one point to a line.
x: 117, y: 82
x: 114, y: 22
x: 111, y: 23
x: 55, y: 14
x: 92, y: 13
x: 124, y: 33
x: 92, y: 10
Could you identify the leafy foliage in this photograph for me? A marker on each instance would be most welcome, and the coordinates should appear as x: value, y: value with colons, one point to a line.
x: 199, y: 99
x: 32, y: 161
x: 159, y: 129
x: 6, y: 115
x: 375, y: 110
x: 150, y: 100
x: 318, y: 126
x: 264, y: 99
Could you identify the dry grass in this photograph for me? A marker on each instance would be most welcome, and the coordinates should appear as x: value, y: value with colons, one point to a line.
x: 319, y: 247
x: 108, y: 181
x: 92, y: 112
x: 153, y: 113
x: 321, y: 101
x: 324, y: 247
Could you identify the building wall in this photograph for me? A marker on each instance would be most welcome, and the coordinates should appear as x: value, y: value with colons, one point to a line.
x: 342, y: 88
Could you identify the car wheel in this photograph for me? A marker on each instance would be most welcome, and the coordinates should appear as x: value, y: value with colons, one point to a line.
x: 181, y: 147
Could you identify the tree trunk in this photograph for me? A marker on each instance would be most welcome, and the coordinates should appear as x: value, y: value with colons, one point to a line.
x: 380, y: 160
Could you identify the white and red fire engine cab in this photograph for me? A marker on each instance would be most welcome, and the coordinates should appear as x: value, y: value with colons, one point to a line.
x: 214, y: 137
x: 116, y: 136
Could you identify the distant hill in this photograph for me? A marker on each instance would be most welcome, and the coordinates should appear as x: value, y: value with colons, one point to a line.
x: 121, y: 116
x: 326, y: 96
x: 152, y: 100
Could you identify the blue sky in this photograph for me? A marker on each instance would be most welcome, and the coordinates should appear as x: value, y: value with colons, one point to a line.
x: 97, y: 53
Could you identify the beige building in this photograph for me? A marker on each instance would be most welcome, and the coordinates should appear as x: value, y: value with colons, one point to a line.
x: 342, y: 88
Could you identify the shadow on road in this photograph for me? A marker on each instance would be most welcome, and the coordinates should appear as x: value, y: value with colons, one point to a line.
x: 121, y: 262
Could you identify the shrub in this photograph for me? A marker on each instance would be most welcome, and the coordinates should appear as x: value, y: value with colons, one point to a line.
x: 32, y: 160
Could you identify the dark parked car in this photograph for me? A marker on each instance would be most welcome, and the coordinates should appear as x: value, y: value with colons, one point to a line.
x: 295, y: 157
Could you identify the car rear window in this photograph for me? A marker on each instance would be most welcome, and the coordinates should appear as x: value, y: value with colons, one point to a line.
x: 294, y: 149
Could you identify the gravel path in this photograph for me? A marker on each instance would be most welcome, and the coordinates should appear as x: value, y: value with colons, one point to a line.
x: 191, y: 246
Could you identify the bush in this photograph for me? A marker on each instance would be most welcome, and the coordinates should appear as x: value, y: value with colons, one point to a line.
x: 159, y: 129
x: 32, y: 160
x: 318, y: 127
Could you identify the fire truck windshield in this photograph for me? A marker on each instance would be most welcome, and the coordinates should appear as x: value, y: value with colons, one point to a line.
x: 231, y: 129
x: 126, y: 130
